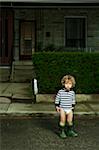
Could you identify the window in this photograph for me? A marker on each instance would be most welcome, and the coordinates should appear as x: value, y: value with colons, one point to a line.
x: 75, y: 32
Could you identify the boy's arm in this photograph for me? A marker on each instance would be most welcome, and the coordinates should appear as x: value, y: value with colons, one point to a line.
x: 57, y: 100
x: 74, y: 100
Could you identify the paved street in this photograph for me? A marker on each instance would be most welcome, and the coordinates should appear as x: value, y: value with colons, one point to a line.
x: 40, y: 133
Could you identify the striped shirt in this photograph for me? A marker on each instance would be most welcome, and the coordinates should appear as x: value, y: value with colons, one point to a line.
x: 65, y: 99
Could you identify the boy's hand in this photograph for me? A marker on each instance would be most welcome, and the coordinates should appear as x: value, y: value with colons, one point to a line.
x: 57, y: 109
x: 73, y: 106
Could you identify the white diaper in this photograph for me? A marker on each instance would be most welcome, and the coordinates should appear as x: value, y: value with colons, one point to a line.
x: 67, y: 111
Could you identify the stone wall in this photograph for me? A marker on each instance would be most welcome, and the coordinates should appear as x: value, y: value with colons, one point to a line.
x: 80, y: 98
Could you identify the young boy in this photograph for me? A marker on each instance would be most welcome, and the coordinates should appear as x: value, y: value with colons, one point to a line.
x: 64, y: 103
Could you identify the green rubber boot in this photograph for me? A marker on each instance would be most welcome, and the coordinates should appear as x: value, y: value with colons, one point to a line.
x: 71, y: 132
x: 62, y: 134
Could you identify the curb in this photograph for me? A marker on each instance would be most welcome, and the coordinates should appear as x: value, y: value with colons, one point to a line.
x: 44, y: 113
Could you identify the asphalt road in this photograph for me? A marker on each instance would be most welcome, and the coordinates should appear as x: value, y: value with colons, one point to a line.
x: 40, y: 133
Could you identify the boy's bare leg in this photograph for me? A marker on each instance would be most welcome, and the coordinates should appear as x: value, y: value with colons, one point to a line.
x: 70, y: 131
x: 62, y: 116
x: 62, y: 123
x: 70, y: 118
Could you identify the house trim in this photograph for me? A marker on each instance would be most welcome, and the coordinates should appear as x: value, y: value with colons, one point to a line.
x: 50, y: 4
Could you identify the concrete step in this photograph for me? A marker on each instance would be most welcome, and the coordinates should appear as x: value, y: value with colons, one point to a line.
x: 22, y: 71
x: 4, y: 74
x: 22, y: 67
x: 23, y: 75
x: 22, y: 78
x: 20, y: 63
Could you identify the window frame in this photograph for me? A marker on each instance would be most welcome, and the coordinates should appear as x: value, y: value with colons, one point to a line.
x: 72, y: 17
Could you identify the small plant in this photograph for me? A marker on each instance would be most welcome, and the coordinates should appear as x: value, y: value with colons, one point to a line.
x: 49, y: 47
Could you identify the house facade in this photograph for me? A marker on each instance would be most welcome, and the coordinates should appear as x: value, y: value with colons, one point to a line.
x: 27, y: 27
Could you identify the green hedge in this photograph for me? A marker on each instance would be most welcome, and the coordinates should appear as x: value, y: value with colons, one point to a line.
x: 50, y: 67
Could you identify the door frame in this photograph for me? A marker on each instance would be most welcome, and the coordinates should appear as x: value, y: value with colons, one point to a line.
x: 26, y: 57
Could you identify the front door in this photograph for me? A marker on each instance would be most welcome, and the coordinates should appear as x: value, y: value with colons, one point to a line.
x: 27, y: 39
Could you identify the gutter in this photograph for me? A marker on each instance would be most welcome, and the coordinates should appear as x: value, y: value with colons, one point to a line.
x: 47, y: 5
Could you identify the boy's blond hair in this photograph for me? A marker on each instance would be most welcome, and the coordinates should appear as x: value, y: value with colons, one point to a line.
x: 67, y: 78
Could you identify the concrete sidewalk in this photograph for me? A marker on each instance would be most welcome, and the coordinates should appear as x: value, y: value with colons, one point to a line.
x: 16, y: 100
x: 23, y: 109
x: 16, y: 91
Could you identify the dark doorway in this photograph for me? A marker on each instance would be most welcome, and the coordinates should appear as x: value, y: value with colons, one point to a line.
x: 6, y: 36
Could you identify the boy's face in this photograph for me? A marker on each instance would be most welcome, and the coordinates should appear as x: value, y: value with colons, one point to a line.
x: 68, y: 85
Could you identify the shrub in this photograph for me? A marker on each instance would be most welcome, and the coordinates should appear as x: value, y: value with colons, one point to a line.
x: 50, y: 67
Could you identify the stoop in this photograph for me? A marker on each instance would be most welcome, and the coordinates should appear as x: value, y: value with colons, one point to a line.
x: 22, y: 71
x: 4, y: 73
